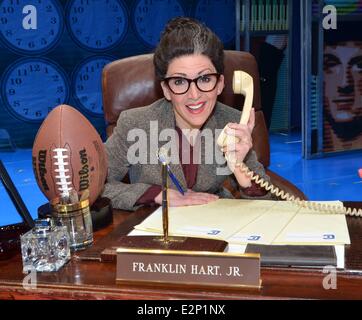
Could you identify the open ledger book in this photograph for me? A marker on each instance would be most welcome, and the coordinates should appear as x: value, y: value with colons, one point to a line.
x: 240, y: 222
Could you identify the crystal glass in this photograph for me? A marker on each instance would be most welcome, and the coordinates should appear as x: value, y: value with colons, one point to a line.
x: 45, y: 247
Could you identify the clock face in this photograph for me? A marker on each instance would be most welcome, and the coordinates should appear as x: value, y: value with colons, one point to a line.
x: 151, y: 16
x: 109, y: 30
x: 30, y: 27
x: 87, y: 83
x: 219, y: 16
x: 33, y: 87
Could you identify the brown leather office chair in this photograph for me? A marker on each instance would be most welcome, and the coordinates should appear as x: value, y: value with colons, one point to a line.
x: 130, y: 83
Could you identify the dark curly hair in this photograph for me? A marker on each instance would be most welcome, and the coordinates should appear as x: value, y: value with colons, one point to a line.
x: 186, y: 36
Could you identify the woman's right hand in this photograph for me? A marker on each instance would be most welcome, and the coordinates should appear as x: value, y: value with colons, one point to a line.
x: 190, y: 198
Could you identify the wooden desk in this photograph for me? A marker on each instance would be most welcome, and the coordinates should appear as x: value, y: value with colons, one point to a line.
x: 95, y: 280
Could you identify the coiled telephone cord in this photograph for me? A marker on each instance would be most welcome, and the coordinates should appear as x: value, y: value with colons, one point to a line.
x: 322, y: 207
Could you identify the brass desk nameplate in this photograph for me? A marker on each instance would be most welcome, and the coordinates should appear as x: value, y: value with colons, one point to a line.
x: 186, y: 268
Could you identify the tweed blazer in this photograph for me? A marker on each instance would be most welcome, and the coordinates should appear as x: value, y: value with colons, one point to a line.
x: 125, y: 148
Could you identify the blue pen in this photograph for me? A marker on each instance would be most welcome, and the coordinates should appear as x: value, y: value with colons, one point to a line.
x: 171, y: 175
x: 174, y: 180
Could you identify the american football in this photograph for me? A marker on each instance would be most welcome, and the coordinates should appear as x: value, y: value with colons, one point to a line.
x: 69, y: 155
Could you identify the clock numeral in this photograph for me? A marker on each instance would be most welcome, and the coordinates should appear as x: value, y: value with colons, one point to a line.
x: 43, y: 41
x: 11, y: 92
x: 4, y: 20
x: 143, y: 9
x: 93, y: 106
x: 115, y: 8
x: 16, y: 103
x: 18, y: 41
x: 80, y: 87
x: 87, y: 39
x: 89, y: 69
x: 83, y: 77
x: 7, y: 9
x: 38, y: 113
x: 31, y: 44
x: 8, y: 33
x: 78, y: 32
x: 98, y: 43
x: 26, y: 111
x: 78, y: 9
x: 34, y: 67
x: 74, y: 20
x: 22, y: 72
x: 109, y: 39
x: 15, y: 81
x: 52, y: 32
x: 60, y: 89
x: 12, y: 2
x: 55, y: 78
x: 53, y: 20
x: 49, y: 8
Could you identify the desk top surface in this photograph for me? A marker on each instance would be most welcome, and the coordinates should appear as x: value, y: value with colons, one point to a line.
x: 81, y: 279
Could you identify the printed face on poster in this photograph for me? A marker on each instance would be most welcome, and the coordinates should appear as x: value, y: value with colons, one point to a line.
x: 342, y: 88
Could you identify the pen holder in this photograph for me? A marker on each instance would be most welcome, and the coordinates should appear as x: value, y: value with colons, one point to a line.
x: 77, y: 218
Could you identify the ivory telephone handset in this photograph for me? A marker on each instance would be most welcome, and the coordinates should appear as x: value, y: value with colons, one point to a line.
x: 243, y: 84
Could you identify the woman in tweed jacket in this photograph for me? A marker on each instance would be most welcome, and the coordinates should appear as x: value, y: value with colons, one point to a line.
x: 186, y: 122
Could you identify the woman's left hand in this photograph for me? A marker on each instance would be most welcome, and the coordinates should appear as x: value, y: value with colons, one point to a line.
x: 237, y: 149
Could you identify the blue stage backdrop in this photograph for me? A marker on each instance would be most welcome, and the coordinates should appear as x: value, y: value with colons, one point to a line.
x: 53, y: 51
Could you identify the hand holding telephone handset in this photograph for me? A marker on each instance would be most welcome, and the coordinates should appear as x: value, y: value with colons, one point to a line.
x: 243, y: 84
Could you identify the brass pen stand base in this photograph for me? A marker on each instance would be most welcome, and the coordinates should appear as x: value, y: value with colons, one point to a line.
x: 169, y: 242
x: 158, y: 243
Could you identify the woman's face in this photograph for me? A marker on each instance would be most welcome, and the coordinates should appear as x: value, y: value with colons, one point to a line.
x: 343, y: 81
x: 193, y: 108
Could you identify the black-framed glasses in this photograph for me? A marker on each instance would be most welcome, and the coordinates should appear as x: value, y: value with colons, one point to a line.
x: 180, y: 85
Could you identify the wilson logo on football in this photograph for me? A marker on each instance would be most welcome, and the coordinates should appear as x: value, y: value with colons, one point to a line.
x: 84, y: 172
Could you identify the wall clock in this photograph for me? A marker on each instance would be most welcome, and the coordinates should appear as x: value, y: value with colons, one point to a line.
x: 32, y: 87
x: 87, y: 83
x: 97, y: 25
x: 13, y: 25
x: 151, y: 16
